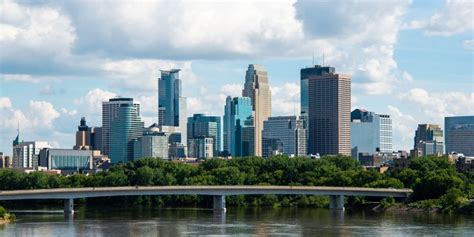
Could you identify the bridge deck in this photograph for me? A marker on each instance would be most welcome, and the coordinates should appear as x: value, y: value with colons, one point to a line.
x: 72, y: 193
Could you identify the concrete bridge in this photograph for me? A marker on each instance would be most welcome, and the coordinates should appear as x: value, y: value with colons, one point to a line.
x: 336, y: 194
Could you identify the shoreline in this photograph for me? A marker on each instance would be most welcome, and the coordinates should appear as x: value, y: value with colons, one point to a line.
x: 3, y: 221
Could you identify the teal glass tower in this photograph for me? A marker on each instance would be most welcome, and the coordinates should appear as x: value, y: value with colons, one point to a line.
x: 238, y: 126
x: 126, y: 127
x: 201, y: 125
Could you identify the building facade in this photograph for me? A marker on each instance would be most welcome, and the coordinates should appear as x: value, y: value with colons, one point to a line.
x: 284, y: 135
x: 25, y: 154
x: 153, y: 143
x: 238, y: 126
x: 88, y: 138
x: 201, y: 148
x: 329, y: 111
x: 126, y: 127
x: 459, y: 134
x: 200, y: 126
x: 256, y: 87
x: 428, y: 140
x: 66, y: 159
x: 371, y: 132
x: 305, y: 74
x: 171, y: 104
x: 110, y: 111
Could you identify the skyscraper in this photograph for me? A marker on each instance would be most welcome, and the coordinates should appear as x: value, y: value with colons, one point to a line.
x: 126, y: 127
x: 284, y: 135
x: 305, y: 74
x: 329, y: 111
x: 429, y: 140
x: 171, y: 105
x: 371, y: 132
x: 153, y: 143
x: 257, y: 89
x: 201, y: 125
x: 459, y: 134
x: 110, y: 110
x: 238, y: 125
x: 88, y: 138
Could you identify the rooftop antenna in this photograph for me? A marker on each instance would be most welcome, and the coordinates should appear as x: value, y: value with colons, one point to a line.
x: 323, y: 60
x: 313, y: 59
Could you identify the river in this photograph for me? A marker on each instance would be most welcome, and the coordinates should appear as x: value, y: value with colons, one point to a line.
x: 96, y: 222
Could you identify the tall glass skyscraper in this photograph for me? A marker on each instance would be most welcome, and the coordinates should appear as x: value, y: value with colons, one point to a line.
x: 459, y: 134
x: 238, y: 126
x: 110, y: 111
x: 126, y: 128
x: 202, y: 126
x: 257, y: 89
x: 371, y: 132
x: 171, y: 105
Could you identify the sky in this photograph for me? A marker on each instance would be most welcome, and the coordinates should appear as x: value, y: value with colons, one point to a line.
x: 412, y: 60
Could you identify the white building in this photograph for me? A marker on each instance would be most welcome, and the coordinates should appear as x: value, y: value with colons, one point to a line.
x: 25, y: 154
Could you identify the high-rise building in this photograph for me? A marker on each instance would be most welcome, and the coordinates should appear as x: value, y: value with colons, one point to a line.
x: 284, y: 135
x: 126, y: 127
x: 110, y: 110
x: 171, y: 104
x: 257, y: 89
x: 25, y: 154
x: 305, y: 74
x: 329, y: 113
x: 371, y: 132
x: 88, y: 138
x: 200, y: 126
x: 459, y: 134
x: 429, y: 140
x: 238, y: 126
x: 153, y: 143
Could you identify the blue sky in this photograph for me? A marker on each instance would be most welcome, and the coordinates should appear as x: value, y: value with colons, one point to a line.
x: 59, y: 61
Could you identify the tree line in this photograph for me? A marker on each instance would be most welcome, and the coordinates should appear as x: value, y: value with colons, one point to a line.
x: 434, y: 180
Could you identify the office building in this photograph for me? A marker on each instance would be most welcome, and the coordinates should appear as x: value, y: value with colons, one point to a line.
x: 200, y: 126
x: 25, y: 154
x: 284, y: 135
x: 177, y: 151
x: 305, y: 74
x: 88, y: 138
x: 257, y: 89
x: 126, y: 127
x: 201, y: 147
x: 68, y: 160
x: 153, y: 143
x: 459, y: 134
x: 329, y: 111
x: 238, y: 126
x: 428, y: 140
x: 171, y: 104
x: 371, y: 132
x: 5, y: 161
x: 110, y: 111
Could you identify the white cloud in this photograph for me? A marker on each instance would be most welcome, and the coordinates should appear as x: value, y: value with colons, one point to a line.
x: 232, y: 90
x: 456, y: 17
x: 468, y: 44
x: 32, y: 36
x: 5, y: 102
x: 42, y: 113
x: 286, y: 99
x: 91, y: 103
x: 19, y: 78
x: 404, y: 126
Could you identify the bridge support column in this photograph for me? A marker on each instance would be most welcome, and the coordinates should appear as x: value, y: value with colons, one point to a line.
x: 336, y: 202
x: 69, y: 206
x: 219, y: 203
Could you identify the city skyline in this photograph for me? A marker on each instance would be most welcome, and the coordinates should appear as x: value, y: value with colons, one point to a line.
x: 392, y: 71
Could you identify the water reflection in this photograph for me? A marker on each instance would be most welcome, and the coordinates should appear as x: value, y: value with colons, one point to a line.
x: 140, y: 221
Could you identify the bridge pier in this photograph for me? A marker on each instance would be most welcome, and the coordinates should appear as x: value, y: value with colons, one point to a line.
x: 69, y: 206
x: 336, y: 202
x: 219, y: 203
